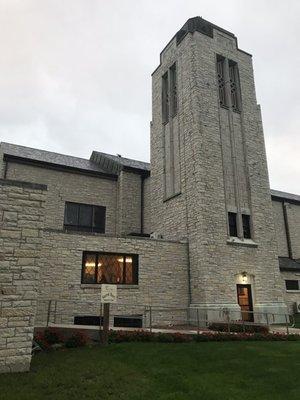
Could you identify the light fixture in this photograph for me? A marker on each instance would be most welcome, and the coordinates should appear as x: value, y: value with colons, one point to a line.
x: 244, y: 277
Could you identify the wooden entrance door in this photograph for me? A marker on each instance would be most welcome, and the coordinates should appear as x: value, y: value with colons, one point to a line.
x: 244, y: 296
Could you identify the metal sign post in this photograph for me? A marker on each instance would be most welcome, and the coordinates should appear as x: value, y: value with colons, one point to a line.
x: 108, y: 295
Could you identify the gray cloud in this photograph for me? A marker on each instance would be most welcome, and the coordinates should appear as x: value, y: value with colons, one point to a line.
x: 75, y: 74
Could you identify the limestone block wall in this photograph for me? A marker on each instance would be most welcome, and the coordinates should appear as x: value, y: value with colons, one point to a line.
x: 200, y: 211
x: 291, y: 296
x: 129, y: 203
x: 293, y: 215
x: 21, y: 223
x: 162, y: 277
x: 66, y: 186
x: 280, y: 229
x: 147, y: 207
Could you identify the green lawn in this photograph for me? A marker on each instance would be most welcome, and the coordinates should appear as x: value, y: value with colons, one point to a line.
x: 206, y: 371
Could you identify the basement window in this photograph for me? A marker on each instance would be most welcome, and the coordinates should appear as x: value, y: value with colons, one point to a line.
x: 232, y: 223
x: 84, y: 217
x: 121, y: 269
x: 292, y: 285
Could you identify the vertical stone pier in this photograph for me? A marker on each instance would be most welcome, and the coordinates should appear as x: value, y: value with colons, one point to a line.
x: 21, y: 224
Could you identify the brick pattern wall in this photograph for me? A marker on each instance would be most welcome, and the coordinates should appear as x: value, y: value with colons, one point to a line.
x: 21, y: 222
x: 291, y: 297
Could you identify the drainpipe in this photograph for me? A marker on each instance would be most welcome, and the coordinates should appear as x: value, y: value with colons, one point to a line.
x: 5, y: 169
x: 142, y: 203
x: 287, y: 229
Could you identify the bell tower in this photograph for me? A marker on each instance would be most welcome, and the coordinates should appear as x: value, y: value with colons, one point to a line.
x: 209, y: 176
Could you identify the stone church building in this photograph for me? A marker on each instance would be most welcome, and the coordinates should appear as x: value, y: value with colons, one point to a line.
x: 198, y: 227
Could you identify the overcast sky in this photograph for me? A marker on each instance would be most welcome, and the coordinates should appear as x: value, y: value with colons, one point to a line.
x: 75, y: 74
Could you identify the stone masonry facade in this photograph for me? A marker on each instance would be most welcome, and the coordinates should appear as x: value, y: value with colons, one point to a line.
x: 208, y: 163
x: 21, y: 224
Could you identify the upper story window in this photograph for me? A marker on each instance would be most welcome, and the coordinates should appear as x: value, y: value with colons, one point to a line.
x: 110, y: 268
x: 233, y: 225
x: 246, y: 226
x: 84, y: 217
x: 169, y: 94
x: 228, y: 83
x: 234, y: 87
x: 292, y: 285
x: 221, y: 81
x: 232, y: 222
x: 165, y: 98
x: 173, y: 90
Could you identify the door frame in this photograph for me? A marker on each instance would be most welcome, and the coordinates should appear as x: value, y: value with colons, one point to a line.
x: 250, y: 299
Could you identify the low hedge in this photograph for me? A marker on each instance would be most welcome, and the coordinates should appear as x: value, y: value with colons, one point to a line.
x: 238, y: 327
x: 145, y: 336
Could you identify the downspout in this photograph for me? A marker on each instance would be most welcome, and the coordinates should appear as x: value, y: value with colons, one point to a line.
x: 287, y: 229
x: 5, y: 169
x: 142, y: 203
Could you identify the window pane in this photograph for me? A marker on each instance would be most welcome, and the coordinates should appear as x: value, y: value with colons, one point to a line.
x: 165, y: 98
x: 85, y: 215
x: 246, y: 226
x: 89, y: 268
x: 221, y: 81
x: 173, y: 90
x: 292, y: 285
x: 71, y: 214
x: 110, y: 268
x: 232, y: 224
x: 99, y: 219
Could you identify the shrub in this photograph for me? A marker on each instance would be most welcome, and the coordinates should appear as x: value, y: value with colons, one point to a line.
x: 238, y: 327
x: 41, y: 341
x: 52, y: 336
x: 78, y: 339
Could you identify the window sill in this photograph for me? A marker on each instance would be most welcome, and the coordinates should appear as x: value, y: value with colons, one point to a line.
x: 239, y: 242
x: 171, y: 197
x: 98, y: 286
x: 293, y: 291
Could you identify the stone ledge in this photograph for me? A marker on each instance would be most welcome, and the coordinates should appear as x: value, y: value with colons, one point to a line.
x: 98, y: 286
x: 27, y: 185
x: 239, y: 242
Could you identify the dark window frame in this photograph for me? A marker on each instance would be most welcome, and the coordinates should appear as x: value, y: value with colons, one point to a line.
x: 234, y: 86
x: 233, y: 228
x: 135, y: 267
x: 291, y: 283
x: 165, y: 98
x: 221, y: 81
x: 173, y: 90
x: 92, y: 227
x: 246, y: 219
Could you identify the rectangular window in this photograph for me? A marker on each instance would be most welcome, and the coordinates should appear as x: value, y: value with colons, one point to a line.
x: 119, y: 269
x: 232, y: 222
x: 234, y: 86
x: 165, y: 98
x: 221, y: 81
x: 173, y: 91
x: 246, y: 226
x: 292, y: 285
x: 84, y: 217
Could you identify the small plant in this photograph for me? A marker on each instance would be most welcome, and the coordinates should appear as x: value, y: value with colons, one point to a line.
x: 41, y: 341
x: 238, y: 327
x: 78, y: 339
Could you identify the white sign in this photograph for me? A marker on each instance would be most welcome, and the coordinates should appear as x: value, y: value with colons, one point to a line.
x: 108, y: 293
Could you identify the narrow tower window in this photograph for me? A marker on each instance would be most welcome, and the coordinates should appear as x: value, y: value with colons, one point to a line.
x: 234, y: 87
x: 165, y: 98
x: 221, y: 81
x: 232, y: 222
x: 246, y: 226
x: 173, y: 91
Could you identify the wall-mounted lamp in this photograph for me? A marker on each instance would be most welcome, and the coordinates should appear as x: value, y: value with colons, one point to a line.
x: 244, y: 277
